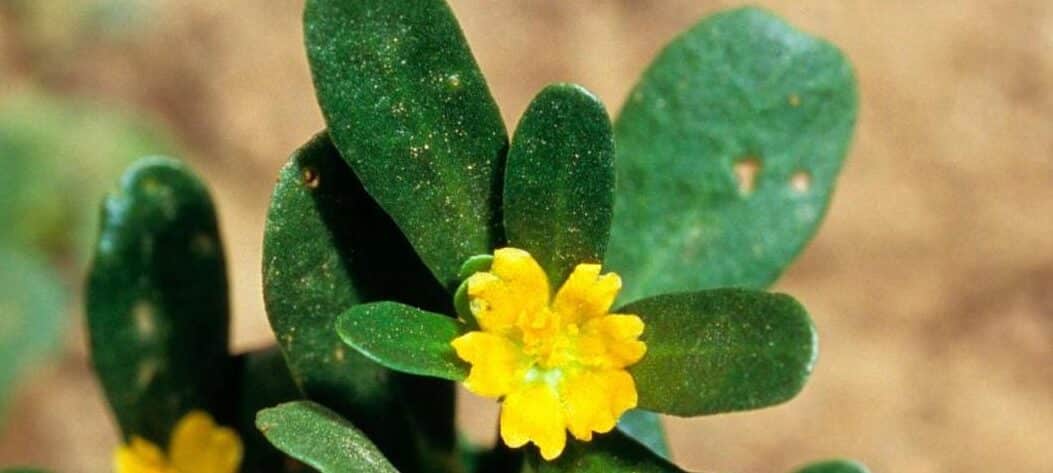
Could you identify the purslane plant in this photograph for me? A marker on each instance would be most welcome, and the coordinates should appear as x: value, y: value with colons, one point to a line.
x: 412, y: 245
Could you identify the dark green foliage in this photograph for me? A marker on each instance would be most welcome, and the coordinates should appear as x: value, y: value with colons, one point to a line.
x: 645, y: 427
x: 741, y: 88
x: 559, y: 181
x: 327, y: 247
x: 728, y: 350
x: 157, y: 301
x: 265, y: 382
x: 411, y: 113
x: 320, y: 438
x: 405, y: 339
x: 605, y: 453
x: 834, y: 466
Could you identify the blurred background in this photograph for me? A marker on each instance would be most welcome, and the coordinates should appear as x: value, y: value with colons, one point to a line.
x: 931, y: 281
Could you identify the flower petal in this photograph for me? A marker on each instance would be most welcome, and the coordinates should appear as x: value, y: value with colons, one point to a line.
x: 139, y: 456
x: 534, y: 414
x: 594, y: 400
x: 515, y: 288
x: 612, y: 341
x: 496, y: 363
x: 199, y: 445
x: 586, y: 294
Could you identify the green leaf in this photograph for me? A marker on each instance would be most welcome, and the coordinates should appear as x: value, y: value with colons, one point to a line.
x: 405, y: 339
x: 721, y: 350
x: 264, y: 382
x: 559, y: 181
x: 834, y: 466
x: 320, y: 438
x: 328, y: 246
x: 740, y: 93
x: 32, y: 314
x: 157, y: 303
x: 410, y: 112
x: 645, y: 427
x: 606, y: 453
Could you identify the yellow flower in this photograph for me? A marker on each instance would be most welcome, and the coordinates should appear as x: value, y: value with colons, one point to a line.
x: 559, y: 363
x: 198, y: 445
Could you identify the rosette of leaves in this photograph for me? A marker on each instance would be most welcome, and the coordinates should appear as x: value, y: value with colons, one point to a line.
x: 715, y: 174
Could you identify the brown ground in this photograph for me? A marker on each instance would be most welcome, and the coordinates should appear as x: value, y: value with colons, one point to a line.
x: 931, y: 282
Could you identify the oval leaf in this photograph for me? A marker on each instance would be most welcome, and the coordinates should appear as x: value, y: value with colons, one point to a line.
x: 746, y: 350
x: 327, y: 246
x: 410, y: 111
x: 606, y: 453
x: 157, y: 302
x: 559, y: 181
x: 834, y: 466
x: 405, y: 339
x: 320, y: 438
x: 728, y: 149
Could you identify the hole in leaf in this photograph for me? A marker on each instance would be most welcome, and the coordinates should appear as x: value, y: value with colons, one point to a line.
x: 801, y: 181
x: 746, y: 171
x: 311, y: 178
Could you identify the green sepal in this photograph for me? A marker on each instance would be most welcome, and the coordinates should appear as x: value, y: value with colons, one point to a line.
x: 475, y: 264
x: 741, y: 93
x: 320, y: 438
x: 411, y: 113
x: 721, y: 350
x: 559, y: 180
x: 264, y: 381
x: 157, y: 303
x: 613, y: 452
x: 834, y: 466
x: 645, y: 427
x: 405, y: 339
x: 328, y: 246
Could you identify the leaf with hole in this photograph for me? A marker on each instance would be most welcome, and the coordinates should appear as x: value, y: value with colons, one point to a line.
x: 320, y: 438
x: 559, y: 181
x: 328, y: 246
x: 728, y: 149
x: 409, y: 110
x: 721, y: 350
x: 157, y: 303
x: 405, y: 339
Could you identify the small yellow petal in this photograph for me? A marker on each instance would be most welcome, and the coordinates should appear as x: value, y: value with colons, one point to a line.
x: 594, y: 400
x: 496, y: 363
x: 139, y: 456
x: 514, y: 288
x: 199, y: 445
x: 586, y: 294
x: 534, y: 414
x: 611, y: 341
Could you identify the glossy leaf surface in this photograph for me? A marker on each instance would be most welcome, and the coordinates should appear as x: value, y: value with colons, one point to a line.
x: 721, y: 350
x: 559, y: 181
x: 728, y: 151
x: 320, y: 438
x: 327, y: 247
x: 405, y: 339
x: 157, y: 302
x: 265, y: 382
x: 410, y: 112
x: 606, y: 453
x: 834, y: 466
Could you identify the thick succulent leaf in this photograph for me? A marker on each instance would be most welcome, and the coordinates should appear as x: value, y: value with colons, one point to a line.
x: 721, y: 350
x: 728, y: 149
x: 32, y: 314
x: 265, y: 381
x: 645, y: 427
x: 559, y: 180
x: 157, y: 302
x: 320, y: 438
x: 606, y: 453
x: 409, y: 110
x: 405, y: 339
x: 327, y: 247
x: 834, y: 466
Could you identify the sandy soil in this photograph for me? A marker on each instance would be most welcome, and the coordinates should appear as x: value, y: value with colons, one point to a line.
x: 931, y: 282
